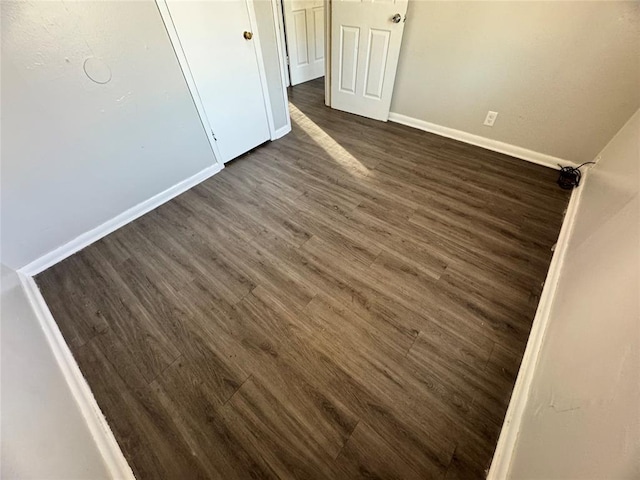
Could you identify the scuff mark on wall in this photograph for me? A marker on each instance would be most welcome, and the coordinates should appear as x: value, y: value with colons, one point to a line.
x: 123, y: 97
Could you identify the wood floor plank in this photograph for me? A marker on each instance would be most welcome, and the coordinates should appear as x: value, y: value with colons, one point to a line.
x: 352, y: 300
x: 214, y: 443
x: 368, y: 456
x: 127, y: 318
x: 424, y: 445
x: 70, y: 302
x: 145, y: 422
x: 260, y: 418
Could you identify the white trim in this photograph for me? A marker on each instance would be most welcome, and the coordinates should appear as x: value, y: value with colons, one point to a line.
x: 95, y: 420
x: 87, y: 238
x: 261, y: 68
x: 188, y: 76
x: 282, y: 131
x: 327, y: 53
x: 489, y: 144
x: 278, y: 16
x: 503, y: 455
x: 284, y: 70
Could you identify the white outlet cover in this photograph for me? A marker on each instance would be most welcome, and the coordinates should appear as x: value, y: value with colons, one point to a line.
x: 490, y: 119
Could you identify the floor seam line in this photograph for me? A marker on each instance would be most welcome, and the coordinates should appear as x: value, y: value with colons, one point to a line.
x: 412, y: 344
x: 237, y: 390
x: 347, y: 440
x: 486, y: 364
x: 165, y: 369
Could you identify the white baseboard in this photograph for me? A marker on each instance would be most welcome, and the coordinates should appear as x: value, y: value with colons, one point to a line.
x: 505, y: 448
x: 105, y: 441
x: 87, y: 238
x: 489, y: 144
x: 281, y: 132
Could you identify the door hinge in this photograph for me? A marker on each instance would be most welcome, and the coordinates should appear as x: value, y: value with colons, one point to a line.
x: 214, y: 136
x: 288, y: 63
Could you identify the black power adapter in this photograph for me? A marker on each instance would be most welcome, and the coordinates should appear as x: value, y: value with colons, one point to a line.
x: 570, y: 176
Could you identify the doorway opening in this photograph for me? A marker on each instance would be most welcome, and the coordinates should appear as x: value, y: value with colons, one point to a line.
x: 302, y: 26
x: 355, y: 46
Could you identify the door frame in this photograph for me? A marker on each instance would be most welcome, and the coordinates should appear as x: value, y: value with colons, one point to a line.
x: 253, y: 23
x: 278, y: 18
x: 327, y: 52
x: 188, y: 76
x: 278, y: 25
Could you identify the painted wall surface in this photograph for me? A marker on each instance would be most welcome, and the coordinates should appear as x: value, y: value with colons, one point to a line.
x: 582, y: 420
x: 564, y: 76
x: 77, y: 152
x: 270, y: 55
x: 44, y: 435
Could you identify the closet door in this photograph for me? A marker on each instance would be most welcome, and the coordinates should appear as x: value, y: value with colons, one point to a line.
x: 220, y: 48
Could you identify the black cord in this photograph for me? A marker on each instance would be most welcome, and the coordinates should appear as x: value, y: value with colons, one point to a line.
x: 570, y: 176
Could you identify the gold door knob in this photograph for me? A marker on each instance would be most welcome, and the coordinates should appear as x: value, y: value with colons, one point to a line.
x: 247, y: 35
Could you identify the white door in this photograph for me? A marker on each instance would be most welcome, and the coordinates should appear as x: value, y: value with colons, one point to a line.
x: 225, y: 70
x: 304, y: 31
x: 365, y: 45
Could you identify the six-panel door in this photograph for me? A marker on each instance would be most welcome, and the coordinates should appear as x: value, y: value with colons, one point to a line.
x: 365, y: 46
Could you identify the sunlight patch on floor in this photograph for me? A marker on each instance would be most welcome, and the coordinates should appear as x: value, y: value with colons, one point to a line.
x: 336, y: 151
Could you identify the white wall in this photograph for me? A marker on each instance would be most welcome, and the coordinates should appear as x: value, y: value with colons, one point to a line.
x: 582, y: 420
x: 77, y: 153
x: 44, y: 435
x: 564, y: 76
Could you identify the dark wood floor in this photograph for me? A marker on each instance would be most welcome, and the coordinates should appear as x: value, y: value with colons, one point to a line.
x: 350, y: 301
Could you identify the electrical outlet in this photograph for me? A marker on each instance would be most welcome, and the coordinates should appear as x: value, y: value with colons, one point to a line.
x: 490, y: 119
